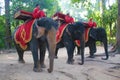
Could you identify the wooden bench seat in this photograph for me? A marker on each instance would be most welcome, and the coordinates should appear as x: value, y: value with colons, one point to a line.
x: 23, y: 15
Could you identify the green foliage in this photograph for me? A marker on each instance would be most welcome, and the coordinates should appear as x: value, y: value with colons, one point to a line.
x: 96, y: 16
x: 80, y: 1
x: 110, y: 15
x: 109, y: 20
x: 74, y: 1
x: 2, y: 31
x: 49, y: 6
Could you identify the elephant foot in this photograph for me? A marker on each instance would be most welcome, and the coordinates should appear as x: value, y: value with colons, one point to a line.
x: 21, y: 61
x: 56, y: 57
x: 81, y: 63
x: 49, y: 70
x: 91, y: 56
x: 43, y: 66
x: 70, y: 61
x: 105, y: 58
x: 37, y: 70
x: 77, y: 54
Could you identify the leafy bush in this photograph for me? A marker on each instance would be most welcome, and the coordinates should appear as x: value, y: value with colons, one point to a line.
x: 2, y: 32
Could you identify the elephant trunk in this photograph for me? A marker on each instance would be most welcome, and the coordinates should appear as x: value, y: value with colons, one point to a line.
x: 51, y: 58
x: 51, y: 63
x: 105, y: 48
x: 51, y: 47
x: 82, y: 41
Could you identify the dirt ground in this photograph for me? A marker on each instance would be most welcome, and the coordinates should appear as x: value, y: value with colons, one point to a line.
x: 93, y: 69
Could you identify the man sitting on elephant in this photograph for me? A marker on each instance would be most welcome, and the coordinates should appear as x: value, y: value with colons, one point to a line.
x: 37, y: 13
x: 65, y: 19
x: 91, y: 24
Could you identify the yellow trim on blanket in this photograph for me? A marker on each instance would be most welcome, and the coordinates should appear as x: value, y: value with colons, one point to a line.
x: 26, y: 41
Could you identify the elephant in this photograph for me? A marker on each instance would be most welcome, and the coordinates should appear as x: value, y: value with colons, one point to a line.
x: 43, y: 36
x: 71, y: 33
x: 96, y: 34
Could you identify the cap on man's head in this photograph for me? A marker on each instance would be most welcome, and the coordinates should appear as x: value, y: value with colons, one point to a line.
x: 67, y: 14
x: 37, y: 5
x: 90, y: 19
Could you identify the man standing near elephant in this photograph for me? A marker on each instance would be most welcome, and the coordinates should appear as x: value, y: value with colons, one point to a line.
x: 37, y: 13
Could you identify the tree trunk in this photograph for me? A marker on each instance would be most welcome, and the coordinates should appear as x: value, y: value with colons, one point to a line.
x: 102, y: 8
x: 8, y: 39
x: 118, y: 28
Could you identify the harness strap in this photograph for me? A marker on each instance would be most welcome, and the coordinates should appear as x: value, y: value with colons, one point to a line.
x: 68, y: 32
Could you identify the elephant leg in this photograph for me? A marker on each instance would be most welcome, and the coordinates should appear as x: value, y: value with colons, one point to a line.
x: 82, y: 47
x: 78, y: 50
x: 70, y: 50
x: 92, y: 48
x: 20, y: 54
x: 34, y: 50
x: 58, y: 45
x: 42, y: 55
x: 56, y: 53
x: 105, y: 48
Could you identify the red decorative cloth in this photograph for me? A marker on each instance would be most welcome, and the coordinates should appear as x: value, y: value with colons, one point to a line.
x: 86, y: 37
x: 60, y: 32
x: 42, y: 14
x: 24, y: 33
x: 87, y: 30
x: 92, y: 24
x: 37, y: 13
x: 61, y: 16
x: 69, y: 19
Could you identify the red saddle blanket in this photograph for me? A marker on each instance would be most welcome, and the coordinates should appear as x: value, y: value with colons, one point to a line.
x: 60, y: 32
x: 24, y: 33
x: 85, y: 36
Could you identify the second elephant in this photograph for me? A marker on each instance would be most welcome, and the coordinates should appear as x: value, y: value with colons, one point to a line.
x: 71, y: 33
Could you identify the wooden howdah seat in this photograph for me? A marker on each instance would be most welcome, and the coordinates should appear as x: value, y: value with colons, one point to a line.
x: 23, y: 15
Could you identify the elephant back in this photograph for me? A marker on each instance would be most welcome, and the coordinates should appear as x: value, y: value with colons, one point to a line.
x: 47, y: 23
x: 76, y: 30
x: 97, y: 33
x: 101, y: 32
